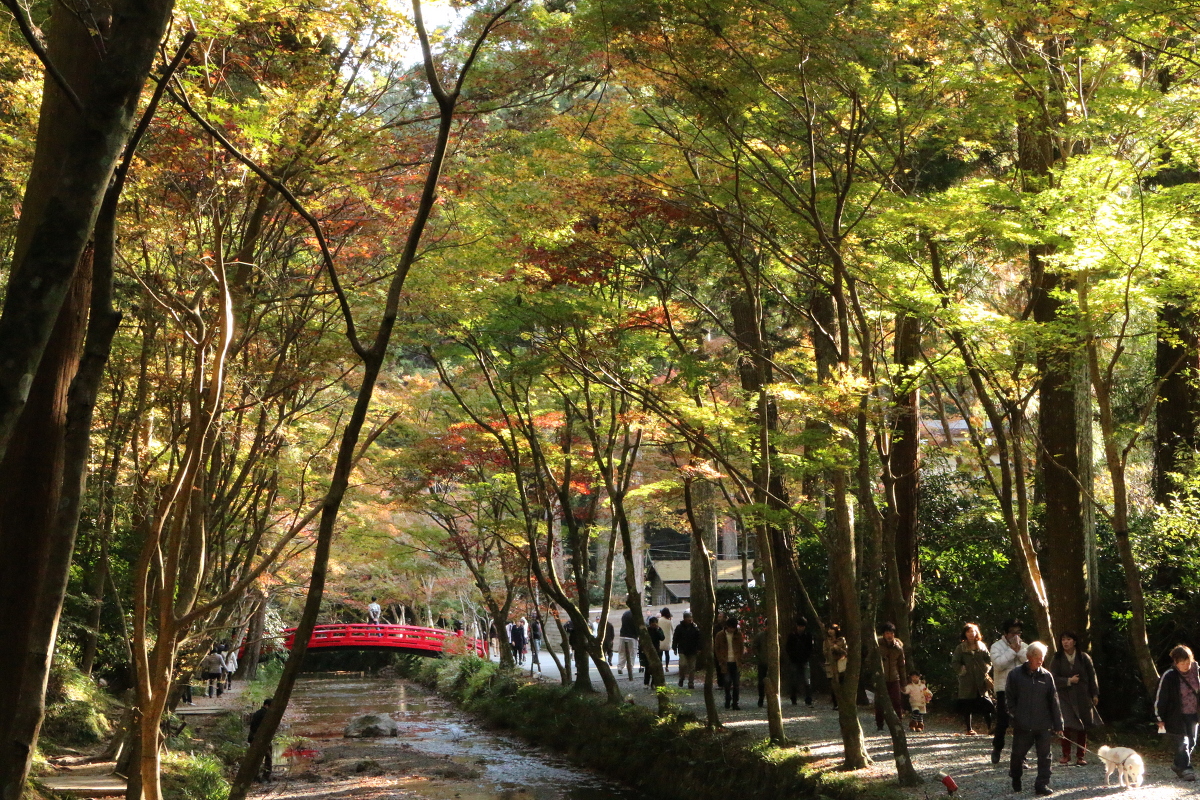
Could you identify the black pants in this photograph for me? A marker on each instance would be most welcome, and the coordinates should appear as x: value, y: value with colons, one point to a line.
x: 733, y: 680
x: 762, y: 683
x: 267, y: 765
x: 1001, y: 723
x: 1022, y: 741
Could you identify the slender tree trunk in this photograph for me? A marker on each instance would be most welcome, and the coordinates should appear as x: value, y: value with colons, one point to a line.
x: 1177, y: 365
x: 91, y: 637
x: 703, y: 590
x: 248, y: 664
x: 904, y: 464
x: 372, y: 360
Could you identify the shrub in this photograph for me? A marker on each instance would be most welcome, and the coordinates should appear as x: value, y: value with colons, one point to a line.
x: 192, y: 777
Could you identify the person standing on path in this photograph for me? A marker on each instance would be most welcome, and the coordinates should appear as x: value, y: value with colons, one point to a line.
x: 629, y: 642
x: 665, y: 625
x: 212, y: 668
x: 972, y: 661
x: 1078, y: 693
x: 374, y: 612
x: 836, y: 656
x: 719, y: 629
x: 918, y: 700
x: 1177, y: 709
x: 730, y: 649
x: 799, y: 649
x: 686, y: 643
x: 1033, y: 707
x: 535, y: 640
x: 1008, y: 653
x: 518, y: 641
x: 895, y: 670
x: 657, y: 637
x: 255, y: 723
x: 760, y: 661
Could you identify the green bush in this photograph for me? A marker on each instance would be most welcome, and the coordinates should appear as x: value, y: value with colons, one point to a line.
x: 192, y: 777
x: 75, y: 723
x: 77, y: 710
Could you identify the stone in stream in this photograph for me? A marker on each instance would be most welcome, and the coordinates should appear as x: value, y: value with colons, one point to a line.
x: 371, y: 725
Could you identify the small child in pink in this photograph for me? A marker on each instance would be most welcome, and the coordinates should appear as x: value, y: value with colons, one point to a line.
x: 918, y: 700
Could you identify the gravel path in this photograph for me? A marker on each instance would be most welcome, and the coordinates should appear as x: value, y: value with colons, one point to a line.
x: 939, y: 748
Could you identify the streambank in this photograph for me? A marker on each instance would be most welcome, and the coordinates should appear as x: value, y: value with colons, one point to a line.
x: 676, y: 757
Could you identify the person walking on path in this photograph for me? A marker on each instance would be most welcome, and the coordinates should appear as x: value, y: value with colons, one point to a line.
x: 760, y: 661
x: 231, y: 665
x: 835, y: 652
x: 730, y: 649
x: 1078, y: 693
x: 629, y: 641
x: 972, y: 661
x: 686, y: 643
x: 799, y: 649
x: 1036, y: 717
x: 212, y: 668
x: 666, y: 626
x: 1177, y: 709
x: 657, y: 637
x: 895, y: 670
x: 255, y: 723
x: 918, y: 700
x: 1008, y: 653
x: 518, y: 641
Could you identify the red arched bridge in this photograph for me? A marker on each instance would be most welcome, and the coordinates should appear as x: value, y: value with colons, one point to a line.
x: 405, y: 638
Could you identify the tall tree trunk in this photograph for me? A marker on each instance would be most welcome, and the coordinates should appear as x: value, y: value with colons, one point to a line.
x: 701, y: 514
x: 756, y: 377
x: 1177, y: 365
x: 904, y: 463
x: 1065, y: 555
x: 372, y: 360
x: 36, y: 561
x: 248, y: 663
x: 842, y: 548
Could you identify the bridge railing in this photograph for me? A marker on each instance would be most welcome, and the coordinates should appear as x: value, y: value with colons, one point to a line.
x: 407, y: 637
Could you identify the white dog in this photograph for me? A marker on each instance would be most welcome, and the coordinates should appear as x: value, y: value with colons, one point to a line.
x: 1124, y: 761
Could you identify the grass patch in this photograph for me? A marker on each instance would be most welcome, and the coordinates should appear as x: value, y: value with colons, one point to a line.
x: 190, y: 776
x: 78, y: 712
x: 631, y: 743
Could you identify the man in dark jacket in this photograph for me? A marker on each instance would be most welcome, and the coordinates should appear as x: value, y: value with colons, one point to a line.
x: 656, y: 638
x: 1036, y: 717
x: 255, y: 723
x: 610, y: 638
x: 686, y: 643
x: 799, y: 648
x: 1178, y: 710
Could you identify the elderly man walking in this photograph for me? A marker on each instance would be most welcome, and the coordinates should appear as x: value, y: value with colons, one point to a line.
x: 1032, y: 703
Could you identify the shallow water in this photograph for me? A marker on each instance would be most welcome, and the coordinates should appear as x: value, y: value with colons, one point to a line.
x: 501, y: 767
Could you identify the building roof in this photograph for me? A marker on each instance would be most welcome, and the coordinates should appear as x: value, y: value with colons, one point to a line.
x: 677, y: 571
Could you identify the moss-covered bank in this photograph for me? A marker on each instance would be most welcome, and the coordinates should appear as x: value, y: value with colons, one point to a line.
x: 675, y: 758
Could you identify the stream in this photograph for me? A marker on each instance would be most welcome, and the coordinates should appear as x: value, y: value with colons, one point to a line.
x: 439, y: 754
